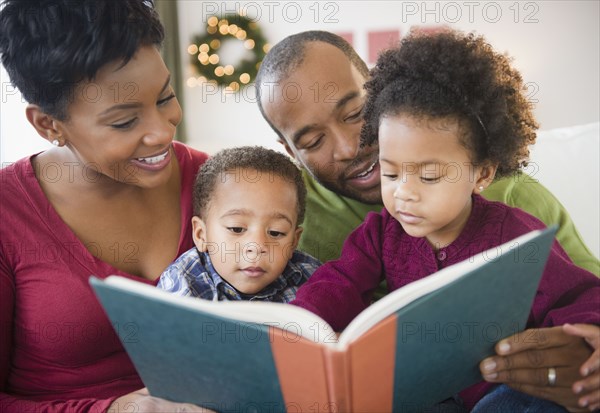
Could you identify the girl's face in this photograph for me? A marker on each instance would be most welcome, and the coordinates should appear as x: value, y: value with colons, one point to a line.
x: 122, y: 123
x: 427, y: 176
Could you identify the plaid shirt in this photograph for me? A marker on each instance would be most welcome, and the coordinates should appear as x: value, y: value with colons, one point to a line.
x: 193, y: 274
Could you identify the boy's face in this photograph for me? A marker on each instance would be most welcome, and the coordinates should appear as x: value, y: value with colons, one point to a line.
x: 250, y: 228
x: 427, y: 176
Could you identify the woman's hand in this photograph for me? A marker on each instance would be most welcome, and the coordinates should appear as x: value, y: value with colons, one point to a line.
x: 542, y: 362
x: 140, y: 401
x: 588, y: 389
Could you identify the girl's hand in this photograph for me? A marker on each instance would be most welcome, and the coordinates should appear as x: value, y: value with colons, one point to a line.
x: 140, y: 401
x: 588, y: 389
x: 542, y: 362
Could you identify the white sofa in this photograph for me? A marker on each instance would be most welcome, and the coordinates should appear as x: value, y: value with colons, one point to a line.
x: 567, y: 162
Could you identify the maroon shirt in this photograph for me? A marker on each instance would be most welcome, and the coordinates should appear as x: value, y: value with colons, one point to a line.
x: 58, y: 351
x: 380, y: 249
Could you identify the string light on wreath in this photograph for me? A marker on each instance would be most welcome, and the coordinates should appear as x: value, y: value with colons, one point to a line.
x: 205, y: 51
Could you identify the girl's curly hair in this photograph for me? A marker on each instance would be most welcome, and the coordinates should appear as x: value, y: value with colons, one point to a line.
x: 452, y: 74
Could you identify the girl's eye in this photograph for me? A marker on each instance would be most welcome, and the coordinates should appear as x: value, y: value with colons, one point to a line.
x: 124, y: 125
x: 428, y: 180
x: 165, y: 100
x: 276, y: 234
x: 235, y: 230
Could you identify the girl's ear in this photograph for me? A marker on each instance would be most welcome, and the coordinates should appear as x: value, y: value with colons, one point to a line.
x: 46, y: 126
x: 199, y: 234
x: 485, y: 177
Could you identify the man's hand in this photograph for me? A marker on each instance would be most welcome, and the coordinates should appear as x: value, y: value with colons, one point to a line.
x: 588, y: 389
x: 542, y: 362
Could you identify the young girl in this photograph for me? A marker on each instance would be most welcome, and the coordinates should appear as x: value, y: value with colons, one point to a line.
x: 449, y: 116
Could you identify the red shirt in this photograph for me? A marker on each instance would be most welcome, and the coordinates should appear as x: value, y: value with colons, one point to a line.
x: 58, y: 351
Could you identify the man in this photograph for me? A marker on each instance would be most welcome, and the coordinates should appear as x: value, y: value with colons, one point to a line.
x: 311, y: 93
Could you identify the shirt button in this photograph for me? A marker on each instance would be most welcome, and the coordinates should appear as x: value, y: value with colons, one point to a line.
x: 442, y: 255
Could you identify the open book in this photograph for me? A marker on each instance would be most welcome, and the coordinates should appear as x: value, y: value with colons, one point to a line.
x: 413, y: 348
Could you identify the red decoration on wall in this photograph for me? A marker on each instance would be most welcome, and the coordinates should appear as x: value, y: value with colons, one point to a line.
x: 347, y: 36
x: 380, y: 40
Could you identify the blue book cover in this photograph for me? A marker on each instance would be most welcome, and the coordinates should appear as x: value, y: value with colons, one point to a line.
x: 413, y: 348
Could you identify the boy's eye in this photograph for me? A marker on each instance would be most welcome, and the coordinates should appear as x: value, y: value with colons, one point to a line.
x: 276, y: 234
x: 235, y: 230
x: 124, y: 125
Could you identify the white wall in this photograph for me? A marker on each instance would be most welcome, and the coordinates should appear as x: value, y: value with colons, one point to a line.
x: 555, y: 45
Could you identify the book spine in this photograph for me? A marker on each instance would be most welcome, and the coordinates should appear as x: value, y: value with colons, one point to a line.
x: 338, y: 380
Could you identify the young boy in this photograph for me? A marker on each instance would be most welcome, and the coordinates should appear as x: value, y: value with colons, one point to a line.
x: 248, y: 207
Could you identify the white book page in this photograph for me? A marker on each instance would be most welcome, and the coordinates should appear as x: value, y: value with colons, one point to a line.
x: 296, y: 320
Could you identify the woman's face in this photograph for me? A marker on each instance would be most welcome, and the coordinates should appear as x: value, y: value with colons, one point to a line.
x: 121, y: 124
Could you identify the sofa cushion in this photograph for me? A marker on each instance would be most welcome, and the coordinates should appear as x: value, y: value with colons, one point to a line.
x: 566, y: 161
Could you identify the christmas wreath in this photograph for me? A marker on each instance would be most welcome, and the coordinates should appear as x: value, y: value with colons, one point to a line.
x: 219, y: 29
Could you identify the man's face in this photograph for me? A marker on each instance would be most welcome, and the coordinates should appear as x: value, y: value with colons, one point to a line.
x: 318, y: 111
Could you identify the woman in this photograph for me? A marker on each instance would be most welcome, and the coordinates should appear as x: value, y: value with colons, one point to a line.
x: 112, y: 197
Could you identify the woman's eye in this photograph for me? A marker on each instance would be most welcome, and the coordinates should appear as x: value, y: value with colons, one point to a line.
x: 124, y: 125
x: 166, y: 100
x: 390, y: 177
x: 235, y: 230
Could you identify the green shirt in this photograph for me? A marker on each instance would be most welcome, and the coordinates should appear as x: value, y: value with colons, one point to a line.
x: 330, y: 218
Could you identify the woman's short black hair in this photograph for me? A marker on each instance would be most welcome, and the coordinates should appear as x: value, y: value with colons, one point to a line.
x: 49, y: 46
x: 452, y: 74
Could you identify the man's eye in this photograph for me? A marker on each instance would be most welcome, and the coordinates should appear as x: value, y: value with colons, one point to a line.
x: 313, y: 144
x: 354, y: 116
x: 235, y: 230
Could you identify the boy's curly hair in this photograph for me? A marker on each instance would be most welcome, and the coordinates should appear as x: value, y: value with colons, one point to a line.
x: 450, y: 74
x: 255, y: 158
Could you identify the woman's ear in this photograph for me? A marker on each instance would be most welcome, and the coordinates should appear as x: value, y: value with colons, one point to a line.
x: 485, y: 177
x: 45, y: 125
x: 199, y: 234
